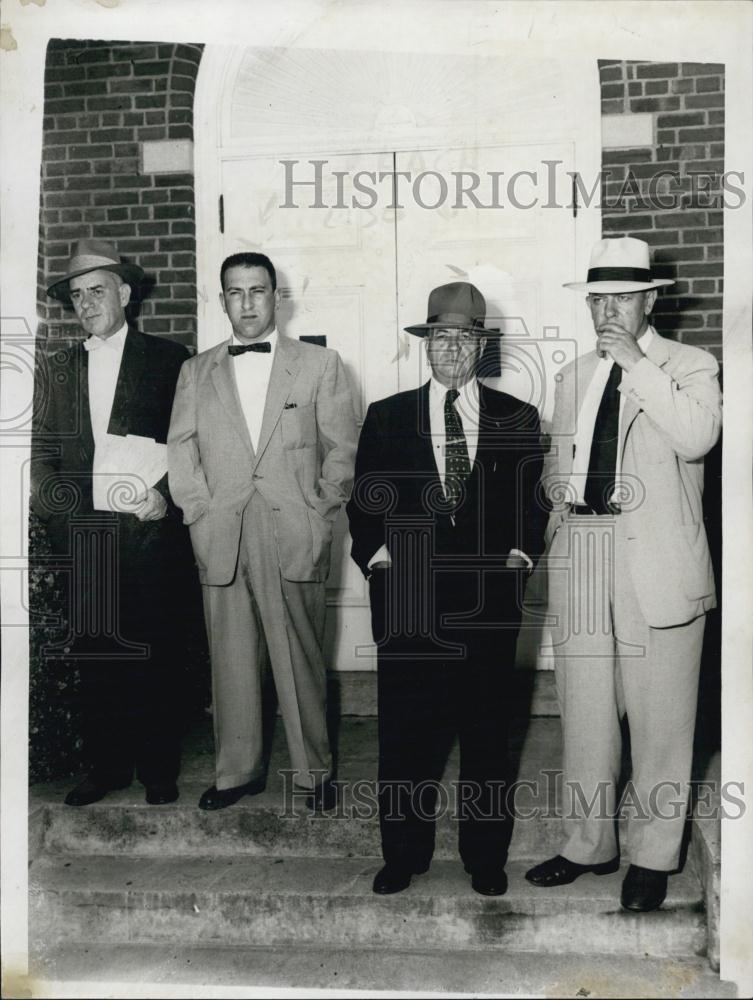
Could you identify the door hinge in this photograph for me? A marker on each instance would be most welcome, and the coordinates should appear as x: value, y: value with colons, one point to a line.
x: 222, y: 213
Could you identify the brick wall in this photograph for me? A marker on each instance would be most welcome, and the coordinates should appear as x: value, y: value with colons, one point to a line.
x: 686, y: 101
x: 102, y: 100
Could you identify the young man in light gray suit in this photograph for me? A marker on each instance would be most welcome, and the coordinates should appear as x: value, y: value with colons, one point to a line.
x: 630, y: 577
x: 261, y: 453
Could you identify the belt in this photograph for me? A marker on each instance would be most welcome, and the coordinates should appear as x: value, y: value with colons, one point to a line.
x: 583, y: 510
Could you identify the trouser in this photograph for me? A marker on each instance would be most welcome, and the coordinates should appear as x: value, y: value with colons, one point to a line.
x: 256, y: 619
x: 609, y: 662
x: 424, y: 702
x: 124, y: 595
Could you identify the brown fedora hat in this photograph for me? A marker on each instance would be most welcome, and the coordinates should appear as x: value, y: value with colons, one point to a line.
x: 93, y: 255
x: 458, y: 305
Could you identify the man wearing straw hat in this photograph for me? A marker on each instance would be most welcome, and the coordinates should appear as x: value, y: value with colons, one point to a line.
x: 445, y: 527
x: 630, y: 577
x: 99, y: 482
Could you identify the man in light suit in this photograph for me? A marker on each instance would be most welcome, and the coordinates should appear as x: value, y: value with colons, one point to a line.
x: 261, y: 451
x: 630, y: 577
x: 103, y: 412
x: 446, y: 527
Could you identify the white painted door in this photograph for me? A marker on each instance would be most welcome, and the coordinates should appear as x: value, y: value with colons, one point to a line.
x: 359, y: 276
x: 336, y: 274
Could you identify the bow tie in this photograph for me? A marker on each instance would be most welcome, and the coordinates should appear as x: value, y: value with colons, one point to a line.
x: 263, y: 348
x: 94, y: 343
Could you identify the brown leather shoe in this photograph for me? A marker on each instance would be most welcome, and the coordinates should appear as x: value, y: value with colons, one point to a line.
x: 560, y: 871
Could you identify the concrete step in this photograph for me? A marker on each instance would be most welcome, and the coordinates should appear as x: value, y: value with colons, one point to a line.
x: 277, y: 823
x: 74, y: 970
x: 272, y: 901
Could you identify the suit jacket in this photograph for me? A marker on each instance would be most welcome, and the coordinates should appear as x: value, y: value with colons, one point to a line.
x: 398, y: 489
x: 671, y: 418
x: 303, y: 465
x: 63, y: 444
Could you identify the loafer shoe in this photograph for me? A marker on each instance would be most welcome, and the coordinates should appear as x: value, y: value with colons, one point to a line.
x: 323, y: 798
x: 643, y: 889
x: 560, y: 871
x: 489, y: 881
x: 160, y: 795
x: 214, y: 798
x: 394, y: 878
x: 90, y: 790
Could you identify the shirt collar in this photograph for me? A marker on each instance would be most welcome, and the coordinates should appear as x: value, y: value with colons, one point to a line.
x: 438, y: 392
x: 644, y: 341
x: 115, y: 342
x: 271, y: 337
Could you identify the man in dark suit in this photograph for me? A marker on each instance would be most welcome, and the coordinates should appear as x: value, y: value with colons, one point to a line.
x: 99, y: 482
x: 445, y: 527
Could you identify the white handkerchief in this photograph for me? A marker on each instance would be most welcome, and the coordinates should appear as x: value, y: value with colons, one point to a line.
x: 125, y: 468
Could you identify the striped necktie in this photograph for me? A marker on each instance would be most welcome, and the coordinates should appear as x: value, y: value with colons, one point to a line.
x: 457, y: 463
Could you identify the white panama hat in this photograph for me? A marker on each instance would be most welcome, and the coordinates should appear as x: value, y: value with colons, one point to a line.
x: 620, y: 264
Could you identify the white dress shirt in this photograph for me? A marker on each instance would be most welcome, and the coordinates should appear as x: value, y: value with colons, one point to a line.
x: 467, y: 406
x: 252, y: 372
x: 124, y: 467
x: 105, y: 355
x: 587, y: 420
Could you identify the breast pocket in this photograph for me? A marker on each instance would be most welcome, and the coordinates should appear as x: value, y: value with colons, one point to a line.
x: 299, y: 426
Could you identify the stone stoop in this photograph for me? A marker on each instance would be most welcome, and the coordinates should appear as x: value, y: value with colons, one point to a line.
x: 121, y: 889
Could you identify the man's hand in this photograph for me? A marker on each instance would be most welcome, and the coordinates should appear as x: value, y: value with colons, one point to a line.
x: 619, y: 345
x: 381, y: 564
x: 514, y: 561
x: 152, y: 508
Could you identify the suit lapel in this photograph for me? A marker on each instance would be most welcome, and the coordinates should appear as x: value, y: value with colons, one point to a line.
x: 424, y: 453
x: 657, y: 352
x: 223, y: 379
x: 285, y: 368
x: 86, y: 435
x: 128, y: 390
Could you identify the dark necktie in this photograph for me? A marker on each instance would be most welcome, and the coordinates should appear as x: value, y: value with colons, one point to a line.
x: 457, y: 464
x: 602, y: 463
x: 263, y: 348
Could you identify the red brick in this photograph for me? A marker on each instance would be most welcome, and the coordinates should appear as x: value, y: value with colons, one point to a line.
x: 154, y: 197
x: 156, y: 117
x: 173, y: 243
x: 680, y: 119
x: 63, y: 74
x: 715, y: 251
x: 642, y: 104
x: 99, y: 54
x: 169, y: 211
x: 64, y: 106
x: 182, y: 100
x: 703, y: 286
x: 173, y: 306
x: 156, y: 67
x: 117, y: 214
x: 635, y: 88
x: 180, y: 132
x: 114, y: 135
x: 108, y: 71
x: 129, y: 246
x: 183, y: 227
x: 128, y: 181
x: 657, y: 87
x: 140, y: 213
x: 612, y: 107
x: 183, y: 260
x: 134, y: 52
x: 89, y: 120
x: 679, y: 86
x: 116, y: 198
x: 610, y: 223
x: 708, y: 85
x: 127, y: 148
x: 149, y: 101
x: 608, y: 74
x: 95, y: 214
x: 701, y: 134
x: 90, y: 151
x: 130, y: 86
x: 656, y: 70
x: 67, y: 168
x: 113, y: 103
x: 676, y: 253
x: 154, y: 229
x: 174, y: 180
x: 180, y: 68
x: 716, y: 117
x: 132, y: 118
x: 88, y: 183
x: 151, y: 132
x: 54, y: 184
x: 54, y: 90
x: 154, y: 260
x: 610, y: 157
x: 705, y: 235
x: 708, y: 269
x: 128, y: 165
x: 186, y: 291
x: 702, y: 69
x: 679, y: 220
x: 705, y: 101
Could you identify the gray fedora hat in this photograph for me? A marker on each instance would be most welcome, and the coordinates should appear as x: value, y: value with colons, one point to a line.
x: 458, y: 305
x: 94, y: 255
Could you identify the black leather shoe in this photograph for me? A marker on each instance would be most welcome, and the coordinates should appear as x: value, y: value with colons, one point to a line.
x: 395, y: 878
x: 213, y: 798
x: 160, y: 795
x: 643, y: 889
x: 489, y: 880
x: 90, y: 790
x: 560, y: 871
x: 323, y: 798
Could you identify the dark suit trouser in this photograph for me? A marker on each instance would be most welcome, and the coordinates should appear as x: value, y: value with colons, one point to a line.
x: 425, y: 699
x: 127, y: 591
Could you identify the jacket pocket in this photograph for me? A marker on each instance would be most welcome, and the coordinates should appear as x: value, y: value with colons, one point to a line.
x: 299, y: 426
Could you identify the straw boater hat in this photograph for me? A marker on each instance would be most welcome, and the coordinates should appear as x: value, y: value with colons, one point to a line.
x: 619, y: 265
x: 459, y: 306
x: 93, y: 255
